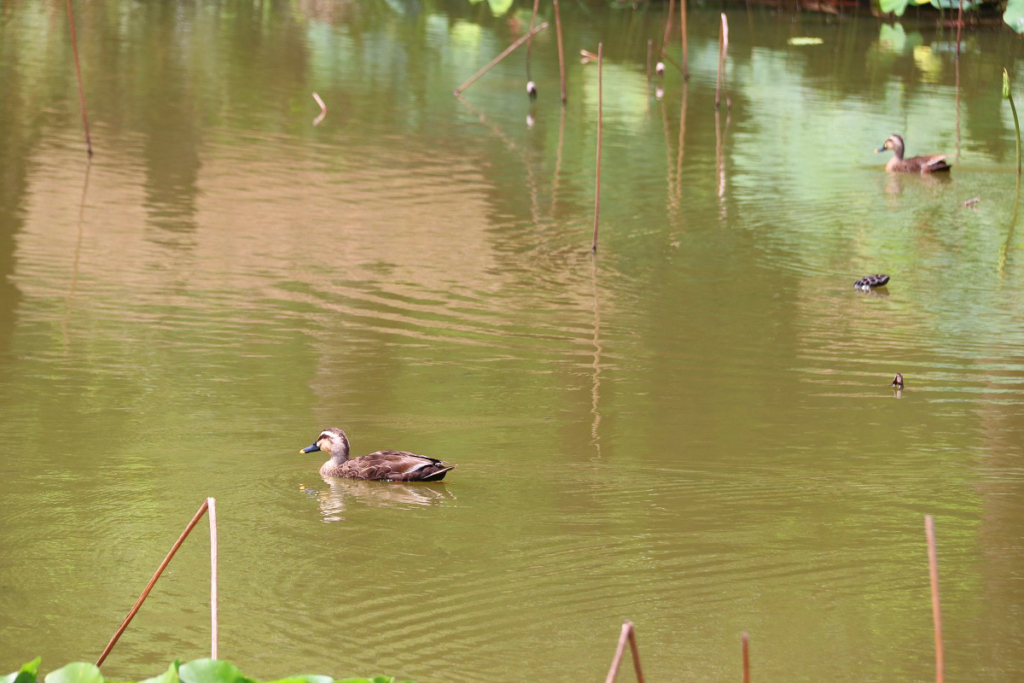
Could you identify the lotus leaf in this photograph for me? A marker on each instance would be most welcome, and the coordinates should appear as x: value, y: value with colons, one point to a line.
x: 76, y: 672
x: 26, y: 674
x: 1014, y: 15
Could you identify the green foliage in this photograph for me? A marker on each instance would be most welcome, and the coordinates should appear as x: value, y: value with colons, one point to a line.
x: 1014, y: 15
x: 196, y: 671
x: 27, y: 673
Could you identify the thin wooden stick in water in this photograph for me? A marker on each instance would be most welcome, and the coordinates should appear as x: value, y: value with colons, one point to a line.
x: 323, y: 110
x: 933, y: 571
x: 672, y: 62
x: 529, y: 39
x: 668, y: 25
x: 746, y: 658
x: 723, y: 48
x: 959, y: 23
x: 682, y: 29
x: 597, y: 187
x: 212, y: 505
x: 506, y: 53
x: 650, y: 51
x: 149, y: 586
x: 627, y: 635
x: 561, y: 52
x: 78, y: 71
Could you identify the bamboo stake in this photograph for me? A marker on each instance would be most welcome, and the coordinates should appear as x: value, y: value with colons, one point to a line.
x: 531, y: 87
x: 561, y: 52
x: 597, y: 187
x: 152, y: 582
x: 628, y: 634
x: 506, y: 53
x: 212, y: 505
x: 746, y: 658
x: 682, y: 29
x: 723, y: 47
x: 78, y: 71
x: 933, y: 571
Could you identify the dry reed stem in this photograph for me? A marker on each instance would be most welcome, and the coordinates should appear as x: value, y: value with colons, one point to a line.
x: 933, y: 572
x: 668, y: 25
x: 959, y: 23
x: 650, y: 52
x: 78, y: 72
x: 505, y: 53
x: 672, y: 62
x: 323, y: 110
x: 627, y: 635
x: 597, y: 186
x: 529, y: 39
x: 723, y: 48
x: 561, y: 51
x: 746, y: 658
x: 212, y: 507
x: 152, y: 582
x: 682, y: 30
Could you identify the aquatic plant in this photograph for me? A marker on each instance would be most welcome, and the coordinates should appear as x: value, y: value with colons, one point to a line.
x: 196, y: 671
x: 898, y: 7
x: 1016, y: 123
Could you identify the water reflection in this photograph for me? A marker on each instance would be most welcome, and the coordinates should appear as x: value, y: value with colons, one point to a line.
x: 341, y: 494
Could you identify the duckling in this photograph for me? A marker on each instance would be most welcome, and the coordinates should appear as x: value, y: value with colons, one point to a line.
x: 383, y: 465
x: 929, y: 164
x: 897, y: 381
x: 866, y: 283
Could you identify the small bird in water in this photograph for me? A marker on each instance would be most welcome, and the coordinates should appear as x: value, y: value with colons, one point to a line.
x: 924, y: 164
x: 897, y: 381
x: 531, y: 89
x: 382, y: 466
x: 866, y: 283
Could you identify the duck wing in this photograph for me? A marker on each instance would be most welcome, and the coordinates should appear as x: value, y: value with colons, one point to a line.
x: 932, y: 164
x: 397, y: 466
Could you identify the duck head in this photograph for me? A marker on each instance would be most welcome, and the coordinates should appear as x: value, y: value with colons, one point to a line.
x: 893, y: 142
x: 331, y: 441
x: 898, y: 380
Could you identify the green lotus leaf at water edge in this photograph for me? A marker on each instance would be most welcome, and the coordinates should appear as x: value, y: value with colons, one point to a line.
x: 76, y: 672
x: 169, y: 676
x: 27, y: 673
x: 1014, y: 15
x: 196, y: 671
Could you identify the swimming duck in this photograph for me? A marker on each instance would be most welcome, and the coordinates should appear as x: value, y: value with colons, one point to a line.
x: 865, y: 283
x: 930, y: 164
x: 897, y: 381
x: 383, y: 465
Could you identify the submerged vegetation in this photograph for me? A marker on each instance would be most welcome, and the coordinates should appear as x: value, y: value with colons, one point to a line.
x: 196, y: 671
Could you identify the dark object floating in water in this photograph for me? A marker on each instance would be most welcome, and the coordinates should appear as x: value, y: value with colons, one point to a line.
x: 531, y: 90
x: 879, y: 280
x: 382, y: 465
x: 926, y: 164
x: 898, y: 380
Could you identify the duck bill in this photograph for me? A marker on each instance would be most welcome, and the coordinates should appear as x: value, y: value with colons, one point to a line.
x: 310, y: 449
x: 880, y: 149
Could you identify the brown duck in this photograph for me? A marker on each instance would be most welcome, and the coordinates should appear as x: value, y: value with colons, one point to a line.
x: 931, y: 164
x: 381, y: 466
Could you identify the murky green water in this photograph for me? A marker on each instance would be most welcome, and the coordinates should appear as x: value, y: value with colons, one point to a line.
x: 694, y: 432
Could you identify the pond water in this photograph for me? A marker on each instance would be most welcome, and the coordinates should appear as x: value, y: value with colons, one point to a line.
x: 694, y: 430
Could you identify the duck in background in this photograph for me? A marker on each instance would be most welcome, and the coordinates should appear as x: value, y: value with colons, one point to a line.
x: 384, y: 465
x: 923, y: 164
